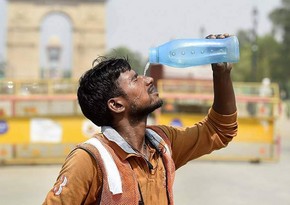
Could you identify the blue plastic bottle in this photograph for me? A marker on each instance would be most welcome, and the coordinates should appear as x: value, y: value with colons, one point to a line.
x: 192, y: 52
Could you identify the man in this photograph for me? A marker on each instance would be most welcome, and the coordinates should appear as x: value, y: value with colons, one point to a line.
x: 129, y: 162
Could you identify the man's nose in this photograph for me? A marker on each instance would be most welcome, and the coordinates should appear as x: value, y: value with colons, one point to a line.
x: 148, y: 80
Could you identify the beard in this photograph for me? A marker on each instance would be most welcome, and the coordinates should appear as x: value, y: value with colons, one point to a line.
x: 141, y: 112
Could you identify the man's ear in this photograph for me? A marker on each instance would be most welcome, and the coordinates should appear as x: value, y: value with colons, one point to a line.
x: 116, y: 105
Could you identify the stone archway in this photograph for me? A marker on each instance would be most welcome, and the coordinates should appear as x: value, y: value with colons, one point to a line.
x: 56, y: 43
x: 23, y: 34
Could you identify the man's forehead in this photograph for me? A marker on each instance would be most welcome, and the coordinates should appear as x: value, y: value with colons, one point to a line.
x: 127, y: 74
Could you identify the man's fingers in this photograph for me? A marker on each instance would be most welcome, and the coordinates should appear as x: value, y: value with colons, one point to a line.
x: 211, y: 36
x: 223, y: 66
x: 220, y: 36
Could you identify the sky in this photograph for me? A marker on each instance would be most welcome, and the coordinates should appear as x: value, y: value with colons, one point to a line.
x: 141, y: 24
x: 2, y: 28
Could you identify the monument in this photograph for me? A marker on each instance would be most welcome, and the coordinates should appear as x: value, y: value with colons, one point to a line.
x: 87, y: 18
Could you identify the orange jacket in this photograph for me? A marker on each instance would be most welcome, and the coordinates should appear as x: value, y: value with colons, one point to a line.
x: 80, y: 180
x: 120, y: 185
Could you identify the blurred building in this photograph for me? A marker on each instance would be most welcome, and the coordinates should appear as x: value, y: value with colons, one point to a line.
x: 24, y: 23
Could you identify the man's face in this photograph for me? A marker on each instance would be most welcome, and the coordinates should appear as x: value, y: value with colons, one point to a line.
x: 142, y: 96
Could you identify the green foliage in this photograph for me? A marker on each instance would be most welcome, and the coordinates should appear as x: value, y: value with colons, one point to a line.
x: 267, y: 51
x: 281, y: 22
x: 265, y: 56
x: 135, y: 58
x: 2, y: 69
x: 242, y: 70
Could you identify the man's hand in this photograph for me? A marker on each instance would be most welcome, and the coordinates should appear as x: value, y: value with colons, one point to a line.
x: 220, y: 67
x: 224, y: 97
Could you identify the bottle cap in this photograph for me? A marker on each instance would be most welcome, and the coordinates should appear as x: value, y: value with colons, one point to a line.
x: 153, y: 55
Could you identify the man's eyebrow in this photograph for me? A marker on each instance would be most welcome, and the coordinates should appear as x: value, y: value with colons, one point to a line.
x: 134, y: 76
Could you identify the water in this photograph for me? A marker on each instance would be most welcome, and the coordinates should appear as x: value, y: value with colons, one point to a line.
x: 193, y: 55
x: 146, y: 68
x: 183, y: 53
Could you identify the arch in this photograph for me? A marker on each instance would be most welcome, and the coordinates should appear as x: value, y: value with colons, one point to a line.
x: 56, y: 26
x: 59, y: 12
x: 27, y: 19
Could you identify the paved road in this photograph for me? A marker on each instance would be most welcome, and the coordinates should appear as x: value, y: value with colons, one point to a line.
x: 237, y: 183
x: 199, y: 182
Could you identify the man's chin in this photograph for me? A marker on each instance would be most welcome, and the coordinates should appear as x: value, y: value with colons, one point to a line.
x: 156, y: 105
x: 153, y: 107
x: 146, y: 111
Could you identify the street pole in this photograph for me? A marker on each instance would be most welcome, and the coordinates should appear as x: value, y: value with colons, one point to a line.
x: 254, y: 47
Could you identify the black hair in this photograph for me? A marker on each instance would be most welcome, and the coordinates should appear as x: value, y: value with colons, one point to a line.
x: 98, y: 85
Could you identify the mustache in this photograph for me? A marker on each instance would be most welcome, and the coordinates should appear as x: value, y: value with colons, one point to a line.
x: 152, y: 89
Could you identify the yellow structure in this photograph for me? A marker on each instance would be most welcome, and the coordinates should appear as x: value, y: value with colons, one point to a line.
x: 188, y: 101
x: 40, y: 121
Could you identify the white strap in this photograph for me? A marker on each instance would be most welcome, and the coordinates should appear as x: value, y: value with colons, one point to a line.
x: 114, y: 179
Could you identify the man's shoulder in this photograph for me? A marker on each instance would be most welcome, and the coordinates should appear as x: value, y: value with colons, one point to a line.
x: 79, y: 155
x: 160, y: 129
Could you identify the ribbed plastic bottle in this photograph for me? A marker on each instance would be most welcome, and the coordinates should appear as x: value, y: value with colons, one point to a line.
x: 192, y: 52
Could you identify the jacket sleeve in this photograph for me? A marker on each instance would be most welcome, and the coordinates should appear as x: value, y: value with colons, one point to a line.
x: 78, y: 181
x: 213, y: 133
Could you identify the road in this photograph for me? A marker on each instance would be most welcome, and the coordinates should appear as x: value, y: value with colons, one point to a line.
x: 199, y: 182
x: 237, y: 183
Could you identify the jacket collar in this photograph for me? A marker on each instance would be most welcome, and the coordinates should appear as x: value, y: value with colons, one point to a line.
x: 112, y: 135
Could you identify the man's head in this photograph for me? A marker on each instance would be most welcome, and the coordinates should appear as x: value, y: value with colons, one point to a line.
x: 111, y: 88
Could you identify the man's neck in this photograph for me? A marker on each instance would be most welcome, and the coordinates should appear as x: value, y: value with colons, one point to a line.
x: 133, y: 134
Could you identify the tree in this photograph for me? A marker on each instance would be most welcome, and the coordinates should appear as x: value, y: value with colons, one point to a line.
x: 2, y: 69
x: 135, y: 58
x: 280, y: 18
x: 242, y: 70
x: 267, y: 52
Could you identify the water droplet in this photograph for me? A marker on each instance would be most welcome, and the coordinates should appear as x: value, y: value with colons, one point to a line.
x: 192, y: 52
x: 173, y: 53
x: 146, y: 67
x: 202, y: 52
x: 183, y: 53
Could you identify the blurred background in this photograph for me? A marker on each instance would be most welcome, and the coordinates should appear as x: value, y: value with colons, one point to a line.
x: 45, y: 46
